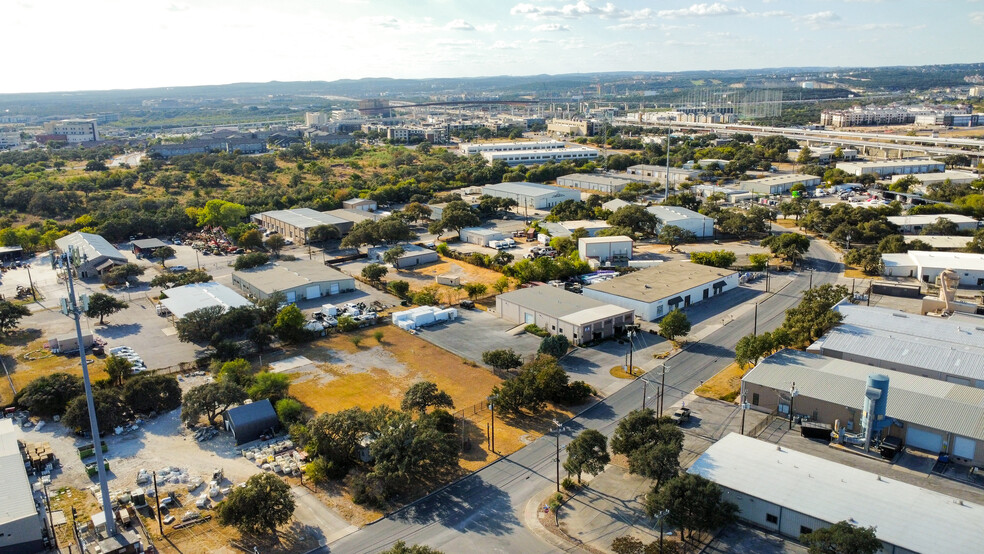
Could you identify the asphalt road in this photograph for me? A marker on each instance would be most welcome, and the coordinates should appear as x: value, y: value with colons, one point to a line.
x: 483, y: 512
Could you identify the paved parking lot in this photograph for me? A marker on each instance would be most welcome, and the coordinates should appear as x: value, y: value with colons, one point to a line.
x: 476, y: 331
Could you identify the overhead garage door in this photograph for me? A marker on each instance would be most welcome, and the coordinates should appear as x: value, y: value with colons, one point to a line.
x: 314, y: 291
x: 964, y: 448
x: 333, y: 289
x: 291, y: 297
x: 924, y: 440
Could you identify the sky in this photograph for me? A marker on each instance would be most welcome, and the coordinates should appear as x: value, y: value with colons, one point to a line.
x: 112, y: 44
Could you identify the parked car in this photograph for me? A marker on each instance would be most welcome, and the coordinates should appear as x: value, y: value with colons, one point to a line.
x: 468, y: 304
x: 681, y: 416
x: 178, y: 269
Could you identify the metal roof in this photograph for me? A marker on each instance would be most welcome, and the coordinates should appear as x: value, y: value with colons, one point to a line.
x: 270, y: 278
x: 604, y: 240
x: 15, y: 489
x: 904, y: 515
x: 926, y: 219
x: 92, y: 246
x: 940, y: 241
x: 927, y: 402
x: 669, y: 214
x: 144, y: 244
x: 782, y: 179
x: 304, y: 218
x: 481, y: 231
x: 591, y: 315
x: 527, y: 189
x: 551, y: 301
x: 249, y: 420
x: 661, y: 281
x: 185, y: 299
x: 960, y: 261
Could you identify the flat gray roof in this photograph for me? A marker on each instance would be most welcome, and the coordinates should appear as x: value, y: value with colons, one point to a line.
x: 185, y: 299
x: 931, y: 403
x: 904, y: 515
x: 92, y: 246
x: 781, y: 179
x: 15, y: 489
x: 144, y: 244
x: 347, y: 215
x: 552, y: 301
x: 590, y: 315
x: 526, y: 189
x: 287, y: 275
x: 304, y: 218
x: 661, y: 281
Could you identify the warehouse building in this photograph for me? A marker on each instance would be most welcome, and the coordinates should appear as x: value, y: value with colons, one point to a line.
x: 532, y: 157
x: 185, y: 299
x: 605, y: 250
x: 249, y: 421
x: 479, y: 147
x: 656, y: 291
x: 891, y: 167
x: 560, y: 312
x: 144, y: 248
x: 779, y: 184
x: 927, y: 346
x: 791, y: 493
x: 608, y: 183
x: 656, y: 173
x: 480, y: 235
x: 940, y: 242
x: 297, y: 223
x: 412, y: 256
x: 614, y: 204
x: 363, y: 204
x: 532, y: 195
x: 96, y: 254
x: 689, y: 220
x: 298, y: 280
x: 927, y: 414
x: 20, y: 522
x: 913, y: 224
x: 955, y: 178
x: 927, y: 266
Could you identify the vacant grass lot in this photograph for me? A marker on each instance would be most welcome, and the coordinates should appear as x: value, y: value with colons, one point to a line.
x: 725, y: 385
x: 23, y: 371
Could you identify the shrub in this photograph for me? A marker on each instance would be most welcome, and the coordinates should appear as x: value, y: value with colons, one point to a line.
x: 502, y: 359
x: 443, y: 249
x: 253, y: 259
x: 533, y: 329
x: 425, y: 298
x: 347, y: 324
x: 399, y: 288
x: 569, y: 484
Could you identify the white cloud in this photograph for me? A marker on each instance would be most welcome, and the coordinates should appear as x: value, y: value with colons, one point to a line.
x: 503, y: 45
x: 702, y: 10
x: 384, y: 21
x: 580, y: 9
x: 459, y: 25
x: 820, y: 17
x: 977, y: 18
x: 551, y: 28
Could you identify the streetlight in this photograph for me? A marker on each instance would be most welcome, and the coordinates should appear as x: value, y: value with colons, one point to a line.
x: 660, y: 516
x: 557, y: 459
x: 744, y: 408
x: 793, y: 393
x: 631, y: 331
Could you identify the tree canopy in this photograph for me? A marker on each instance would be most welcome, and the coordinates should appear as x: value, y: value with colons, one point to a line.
x: 587, y: 453
x: 102, y: 305
x: 842, y: 538
x: 265, y: 503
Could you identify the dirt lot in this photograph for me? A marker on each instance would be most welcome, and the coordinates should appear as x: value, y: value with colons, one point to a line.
x: 423, y: 276
x: 22, y: 371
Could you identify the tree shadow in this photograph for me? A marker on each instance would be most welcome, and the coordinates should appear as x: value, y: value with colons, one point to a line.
x: 22, y: 337
x: 470, y: 505
x: 117, y: 331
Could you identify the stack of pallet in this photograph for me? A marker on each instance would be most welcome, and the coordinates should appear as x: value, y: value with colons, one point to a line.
x: 39, y: 454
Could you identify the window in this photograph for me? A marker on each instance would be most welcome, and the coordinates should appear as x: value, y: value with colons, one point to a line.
x: 755, y: 399
x: 771, y: 518
x: 804, y: 530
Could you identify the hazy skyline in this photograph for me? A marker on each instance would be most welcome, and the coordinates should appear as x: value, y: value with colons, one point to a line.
x: 110, y: 44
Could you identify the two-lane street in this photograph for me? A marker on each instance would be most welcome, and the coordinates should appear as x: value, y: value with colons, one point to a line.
x: 483, y: 512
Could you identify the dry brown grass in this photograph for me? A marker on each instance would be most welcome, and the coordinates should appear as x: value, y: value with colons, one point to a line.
x: 22, y: 371
x: 851, y: 272
x: 787, y: 223
x: 619, y: 372
x: 469, y: 273
x: 65, y: 499
x: 725, y: 385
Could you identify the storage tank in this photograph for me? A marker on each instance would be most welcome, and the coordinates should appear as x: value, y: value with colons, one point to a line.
x: 873, y: 418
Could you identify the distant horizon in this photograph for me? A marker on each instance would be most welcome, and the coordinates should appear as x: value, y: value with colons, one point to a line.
x: 751, y: 70
x: 101, y: 45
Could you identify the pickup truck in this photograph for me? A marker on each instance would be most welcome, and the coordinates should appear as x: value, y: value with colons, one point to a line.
x: 681, y: 416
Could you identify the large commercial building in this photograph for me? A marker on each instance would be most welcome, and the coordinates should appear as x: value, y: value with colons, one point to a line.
x: 955, y: 178
x: 185, y: 299
x: 479, y: 147
x: 824, y: 154
x: 913, y: 224
x: 298, y: 280
x: 927, y: 346
x: 560, y: 312
x: 891, y: 167
x: 572, y: 127
x: 9, y: 139
x: 74, y: 130
x: 412, y: 255
x: 532, y: 195
x: 605, y: 250
x: 655, y: 291
x: 20, y: 521
x: 480, y: 235
x: 607, y: 183
x: 792, y: 493
x: 689, y: 220
x: 297, y: 223
x: 927, y: 414
x: 95, y: 254
x: 531, y: 157
x: 927, y: 266
x: 656, y: 173
x: 779, y: 184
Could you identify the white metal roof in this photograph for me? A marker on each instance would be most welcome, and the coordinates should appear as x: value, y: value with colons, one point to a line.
x: 942, y: 260
x: 590, y: 315
x: 904, y: 515
x: 940, y: 241
x: 927, y: 402
x: 782, y: 179
x: 185, y: 299
x: 527, y: 189
x: 15, y: 489
x: 669, y: 214
x: 551, y: 301
x: 481, y: 231
x: 926, y: 219
x: 90, y: 245
x: 603, y: 240
x: 304, y: 218
x: 288, y: 275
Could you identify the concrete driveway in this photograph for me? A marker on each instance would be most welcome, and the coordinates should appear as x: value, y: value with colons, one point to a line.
x: 593, y: 364
x: 327, y: 525
x: 476, y: 331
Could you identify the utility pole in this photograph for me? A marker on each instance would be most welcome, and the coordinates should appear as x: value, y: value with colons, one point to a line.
x: 645, y: 384
x: 492, y: 427
x: 662, y: 389
x: 31, y: 281
x: 557, y: 459
x: 157, y: 499
x: 792, y: 394
x: 755, y: 324
x: 73, y: 310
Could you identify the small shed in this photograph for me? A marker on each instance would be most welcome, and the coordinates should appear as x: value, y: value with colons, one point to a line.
x: 69, y: 342
x: 144, y: 248
x: 11, y: 253
x: 449, y: 279
x: 249, y: 421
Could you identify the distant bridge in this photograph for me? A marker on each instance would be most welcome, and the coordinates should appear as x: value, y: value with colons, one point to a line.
x: 449, y: 103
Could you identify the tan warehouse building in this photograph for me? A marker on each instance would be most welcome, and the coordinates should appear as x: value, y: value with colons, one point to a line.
x: 298, y: 280
x: 561, y: 312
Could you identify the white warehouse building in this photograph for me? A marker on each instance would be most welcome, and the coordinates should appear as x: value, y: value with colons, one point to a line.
x: 479, y: 147
x: 792, y: 493
x: 607, y: 183
x: 913, y: 224
x: 605, y: 250
x: 927, y: 266
x: 655, y: 291
x: 532, y: 157
x: 532, y: 195
x: 698, y: 224
x: 480, y: 235
x: 779, y: 184
x: 892, y: 167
